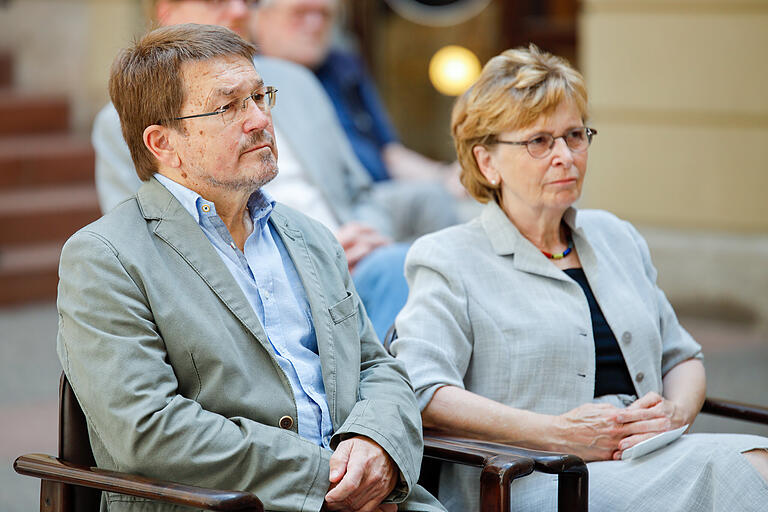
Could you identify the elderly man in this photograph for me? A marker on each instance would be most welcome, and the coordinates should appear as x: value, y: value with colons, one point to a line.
x: 212, y: 336
x: 320, y: 174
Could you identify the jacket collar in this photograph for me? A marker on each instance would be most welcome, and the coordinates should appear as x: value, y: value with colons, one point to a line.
x: 176, y: 227
x: 507, y: 240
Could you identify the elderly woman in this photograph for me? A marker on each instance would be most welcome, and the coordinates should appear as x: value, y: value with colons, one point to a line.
x: 540, y: 325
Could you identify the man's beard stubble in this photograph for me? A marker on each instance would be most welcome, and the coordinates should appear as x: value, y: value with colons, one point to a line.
x: 267, y: 160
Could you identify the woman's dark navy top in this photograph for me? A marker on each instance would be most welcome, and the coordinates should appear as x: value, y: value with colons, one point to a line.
x: 611, y: 373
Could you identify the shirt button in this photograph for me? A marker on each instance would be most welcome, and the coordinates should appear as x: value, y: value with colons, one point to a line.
x: 626, y: 337
x: 206, y: 208
x: 639, y: 377
x: 286, y: 422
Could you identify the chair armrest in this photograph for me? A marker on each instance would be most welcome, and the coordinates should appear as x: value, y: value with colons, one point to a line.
x: 546, y: 462
x: 573, y: 475
x: 747, y: 412
x: 47, y: 467
x: 498, y: 469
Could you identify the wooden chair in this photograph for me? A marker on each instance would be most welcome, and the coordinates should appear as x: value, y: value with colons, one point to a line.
x: 572, y: 473
x: 72, y: 483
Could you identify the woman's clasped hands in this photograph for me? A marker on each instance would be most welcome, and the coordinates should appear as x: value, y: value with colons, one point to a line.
x: 599, y: 431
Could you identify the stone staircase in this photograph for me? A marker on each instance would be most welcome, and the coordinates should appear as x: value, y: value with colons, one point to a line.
x: 46, y: 189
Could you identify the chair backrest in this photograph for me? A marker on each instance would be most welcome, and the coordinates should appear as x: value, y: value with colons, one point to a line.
x: 75, y: 446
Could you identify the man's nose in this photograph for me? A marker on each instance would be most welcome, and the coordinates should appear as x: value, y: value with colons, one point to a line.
x: 255, y: 118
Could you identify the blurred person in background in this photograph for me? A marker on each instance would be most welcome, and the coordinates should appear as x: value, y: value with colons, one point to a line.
x: 301, y: 31
x: 540, y: 325
x: 319, y: 173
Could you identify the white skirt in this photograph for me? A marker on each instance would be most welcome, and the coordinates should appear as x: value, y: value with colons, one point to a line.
x: 698, y: 472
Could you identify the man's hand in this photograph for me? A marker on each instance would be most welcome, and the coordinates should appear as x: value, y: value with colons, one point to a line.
x: 646, y: 417
x: 362, y: 475
x: 358, y: 240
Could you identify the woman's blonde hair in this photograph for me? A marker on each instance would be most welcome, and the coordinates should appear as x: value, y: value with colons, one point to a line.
x: 513, y: 90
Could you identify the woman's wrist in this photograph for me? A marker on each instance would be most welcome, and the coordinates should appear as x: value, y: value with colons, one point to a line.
x: 546, y: 432
x: 682, y: 414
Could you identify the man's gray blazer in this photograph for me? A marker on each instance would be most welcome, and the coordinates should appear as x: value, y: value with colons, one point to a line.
x: 178, y: 380
x: 303, y: 114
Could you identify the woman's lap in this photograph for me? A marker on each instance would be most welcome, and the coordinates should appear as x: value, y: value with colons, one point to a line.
x: 696, y: 472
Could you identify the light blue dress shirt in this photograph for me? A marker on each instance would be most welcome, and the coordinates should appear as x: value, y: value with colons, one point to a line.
x: 268, y: 278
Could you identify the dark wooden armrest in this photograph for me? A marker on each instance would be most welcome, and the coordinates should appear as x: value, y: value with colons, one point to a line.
x: 47, y: 467
x: 498, y: 469
x: 735, y: 410
x: 573, y: 476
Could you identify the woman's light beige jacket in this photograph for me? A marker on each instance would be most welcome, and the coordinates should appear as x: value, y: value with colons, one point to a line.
x: 488, y: 312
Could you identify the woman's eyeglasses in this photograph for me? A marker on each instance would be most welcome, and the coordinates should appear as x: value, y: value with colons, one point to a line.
x: 540, y: 146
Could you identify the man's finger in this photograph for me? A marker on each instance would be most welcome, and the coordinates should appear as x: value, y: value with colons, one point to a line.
x: 373, y: 505
x: 338, y: 462
x: 347, y: 486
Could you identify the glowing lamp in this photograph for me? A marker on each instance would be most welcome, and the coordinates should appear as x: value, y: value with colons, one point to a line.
x: 452, y: 69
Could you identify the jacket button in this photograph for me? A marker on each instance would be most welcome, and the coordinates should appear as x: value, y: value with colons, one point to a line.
x: 639, y: 377
x: 286, y: 422
x: 626, y: 337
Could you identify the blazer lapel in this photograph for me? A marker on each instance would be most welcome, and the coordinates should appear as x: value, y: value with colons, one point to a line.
x: 506, y: 240
x: 294, y: 242
x: 176, y: 227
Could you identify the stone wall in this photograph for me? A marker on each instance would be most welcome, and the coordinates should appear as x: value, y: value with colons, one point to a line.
x: 678, y: 96
x: 65, y: 47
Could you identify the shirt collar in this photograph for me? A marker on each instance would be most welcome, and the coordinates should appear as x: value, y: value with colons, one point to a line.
x: 260, y: 204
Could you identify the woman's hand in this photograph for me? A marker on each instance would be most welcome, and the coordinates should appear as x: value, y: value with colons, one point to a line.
x: 646, y: 417
x: 590, y: 431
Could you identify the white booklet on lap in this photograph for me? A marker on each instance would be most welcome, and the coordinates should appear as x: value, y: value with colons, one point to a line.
x: 653, y: 444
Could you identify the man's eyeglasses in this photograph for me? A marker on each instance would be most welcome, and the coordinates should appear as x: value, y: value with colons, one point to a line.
x: 234, y: 111
x: 540, y: 146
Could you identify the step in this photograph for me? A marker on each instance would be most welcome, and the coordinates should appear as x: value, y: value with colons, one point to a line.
x: 29, y: 273
x: 23, y: 113
x: 33, y: 160
x: 43, y: 214
x: 6, y: 69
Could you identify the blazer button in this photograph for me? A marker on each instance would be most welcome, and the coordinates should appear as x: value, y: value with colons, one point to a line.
x: 286, y: 422
x: 639, y: 377
x: 626, y: 337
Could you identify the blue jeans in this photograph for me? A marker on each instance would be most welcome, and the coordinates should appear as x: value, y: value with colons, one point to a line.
x: 380, y: 282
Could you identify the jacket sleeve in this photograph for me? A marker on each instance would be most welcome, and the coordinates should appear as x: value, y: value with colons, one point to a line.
x: 116, y: 178
x: 386, y: 411
x: 116, y: 360
x: 677, y: 344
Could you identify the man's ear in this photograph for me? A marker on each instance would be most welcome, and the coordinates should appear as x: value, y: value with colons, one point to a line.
x: 157, y: 139
x: 484, y: 161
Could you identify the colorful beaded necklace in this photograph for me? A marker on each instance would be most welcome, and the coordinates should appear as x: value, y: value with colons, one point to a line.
x: 561, y: 255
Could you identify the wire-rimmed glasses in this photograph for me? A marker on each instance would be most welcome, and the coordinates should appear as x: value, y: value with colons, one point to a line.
x: 235, y: 110
x: 540, y: 146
